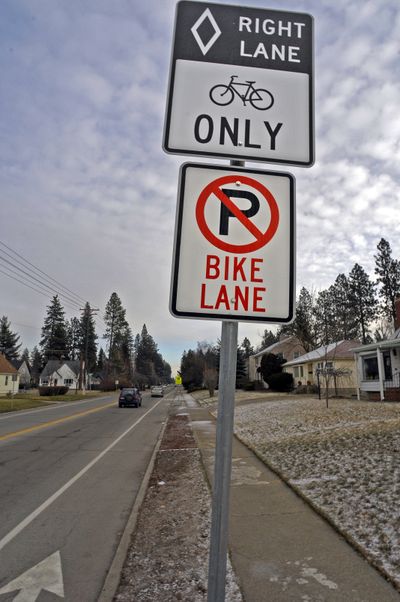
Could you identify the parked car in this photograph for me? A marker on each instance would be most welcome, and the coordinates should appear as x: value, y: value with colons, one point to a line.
x: 157, y: 391
x: 130, y: 397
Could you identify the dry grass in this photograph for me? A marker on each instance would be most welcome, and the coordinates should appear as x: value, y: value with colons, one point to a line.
x: 344, y: 459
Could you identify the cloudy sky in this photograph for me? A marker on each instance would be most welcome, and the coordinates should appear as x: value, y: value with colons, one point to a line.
x: 88, y: 195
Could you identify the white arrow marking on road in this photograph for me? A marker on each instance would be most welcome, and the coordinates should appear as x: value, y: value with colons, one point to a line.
x: 47, y: 575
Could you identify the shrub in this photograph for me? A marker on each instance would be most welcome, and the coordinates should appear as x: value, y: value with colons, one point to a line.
x: 282, y: 381
x: 48, y: 391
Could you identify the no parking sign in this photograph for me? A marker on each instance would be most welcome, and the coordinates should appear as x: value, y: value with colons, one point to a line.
x: 234, y: 245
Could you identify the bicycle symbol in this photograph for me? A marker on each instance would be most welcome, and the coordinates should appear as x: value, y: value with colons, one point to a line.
x: 259, y: 98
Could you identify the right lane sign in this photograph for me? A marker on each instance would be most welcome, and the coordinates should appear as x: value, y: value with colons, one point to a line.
x: 241, y: 84
x: 234, y: 245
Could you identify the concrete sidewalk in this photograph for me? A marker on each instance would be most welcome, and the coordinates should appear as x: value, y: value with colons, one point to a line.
x: 281, y: 549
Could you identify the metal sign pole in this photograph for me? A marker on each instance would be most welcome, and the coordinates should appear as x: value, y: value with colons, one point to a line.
x: 223, y: 461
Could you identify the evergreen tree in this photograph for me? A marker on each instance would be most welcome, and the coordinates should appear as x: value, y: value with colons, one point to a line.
x: 25, y: 356
x: 363, y: 299
x: 346, y: 321
x: 325, y: 318
x: 303, y: 326
x: 37, y: 365
x: 54, y: 341
x: 247, y: 348
x: 388, y: 271
x: 148, y: 358
x: 9, y: 341
x: 88, y: 337
x: 115, y: 320
x: 101, y: 360
x: 241, y: 368
x: 127, y: 352
x: 74, y: 337
x: 268, y: 339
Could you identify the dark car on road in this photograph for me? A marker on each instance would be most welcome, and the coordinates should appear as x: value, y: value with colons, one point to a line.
x: 130, y: 397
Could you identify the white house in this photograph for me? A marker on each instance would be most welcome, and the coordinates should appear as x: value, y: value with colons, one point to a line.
x: 9, y: 377
x: 378, y: 366
x: 61, y: 373
x: 24, y: 373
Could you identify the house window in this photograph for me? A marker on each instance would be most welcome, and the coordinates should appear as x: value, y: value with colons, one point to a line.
x: 68, y: 382
x: 45, y: 383
x: 387, y: 364
x: 296, y: 354
x: 370, y: 368
x: 14, y: 378
x: 298, y: 372
x: 6, y: 382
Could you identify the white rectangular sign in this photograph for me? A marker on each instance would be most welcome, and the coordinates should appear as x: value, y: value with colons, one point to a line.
x: 241, y: 84
x: 234, y: 249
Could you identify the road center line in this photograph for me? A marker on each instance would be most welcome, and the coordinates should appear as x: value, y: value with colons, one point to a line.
x: 53, y: 422
x: 31, y: 517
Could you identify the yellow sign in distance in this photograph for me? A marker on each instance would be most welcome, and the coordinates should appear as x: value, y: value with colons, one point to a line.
x: 178, y: 380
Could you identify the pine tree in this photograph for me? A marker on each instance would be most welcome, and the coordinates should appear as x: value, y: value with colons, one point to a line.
x: 25, y: 356
x: 268, y: 339
x: 54, y: 341
x: 303, y: 326
x: 325, y: 318
x: 247, y: 348
x: 115, y: 320
x: 146, y: 357
x: 9, y: 341
x: 388, y: 272
x: 363, y: 299
x: 101, y: 360
x: 88, y: 337
x: 346, y: 325
x: 36, y: 365
x: 74, y: 337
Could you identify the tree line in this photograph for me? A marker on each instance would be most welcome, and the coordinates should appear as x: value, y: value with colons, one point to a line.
x: 346, y: 310
x: 128, y: 359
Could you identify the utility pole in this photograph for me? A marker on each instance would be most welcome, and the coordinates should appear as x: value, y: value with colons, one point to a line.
x: 87, y: 312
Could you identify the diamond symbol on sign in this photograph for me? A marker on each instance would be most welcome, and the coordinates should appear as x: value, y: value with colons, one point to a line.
x: 206, y: 16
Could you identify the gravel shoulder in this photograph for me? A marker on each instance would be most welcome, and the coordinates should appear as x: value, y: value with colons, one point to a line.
x: 167, y: 558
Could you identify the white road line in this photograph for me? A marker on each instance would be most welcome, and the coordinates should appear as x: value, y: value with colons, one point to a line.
x: 31, y: 517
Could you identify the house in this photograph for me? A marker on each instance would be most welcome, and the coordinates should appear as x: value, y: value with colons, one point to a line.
x: 378, y: 366
x: 330, y: 365
x: 9, y: 377
x: 288, y: 348
x: 24, y: 373
x: 61, y: 373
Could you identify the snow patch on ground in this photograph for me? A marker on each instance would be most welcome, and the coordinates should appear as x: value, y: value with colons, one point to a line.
x: 345, y: 459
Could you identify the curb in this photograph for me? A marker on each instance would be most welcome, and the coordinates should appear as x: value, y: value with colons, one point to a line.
x: 112, y: 579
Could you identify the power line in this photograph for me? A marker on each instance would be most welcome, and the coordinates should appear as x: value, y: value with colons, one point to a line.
x: 44, y: 293
x: 42, y: 284
x: 39, y: 270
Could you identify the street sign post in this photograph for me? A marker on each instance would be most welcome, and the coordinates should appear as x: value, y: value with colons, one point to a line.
x: 234, y: 245
x: 241, y: 84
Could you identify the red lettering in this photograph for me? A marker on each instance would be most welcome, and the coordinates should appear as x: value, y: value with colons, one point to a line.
x: 254, y: 269
x: 257, y: 298
x: 243, y: 296
x: 238, y: 267
x: 222, y: 298
x: 203, y: 298
x: 226, y: 271
x: 212, y: 267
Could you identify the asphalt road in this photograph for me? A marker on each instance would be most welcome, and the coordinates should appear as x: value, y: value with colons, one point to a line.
x: 69, y: 475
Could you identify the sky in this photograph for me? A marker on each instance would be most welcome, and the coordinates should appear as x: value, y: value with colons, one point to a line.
x: 88, y: 195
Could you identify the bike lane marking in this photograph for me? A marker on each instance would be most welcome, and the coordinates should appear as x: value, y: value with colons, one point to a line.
x: 31, y: 517
x: 261, y: 238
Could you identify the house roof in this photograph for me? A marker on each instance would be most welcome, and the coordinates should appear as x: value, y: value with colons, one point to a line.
x: 54, y: 365
x: 390, y: 343
x: 18, y: 363
x: 276, y: 346
x: 6, y: 367
x: 333, y: 351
